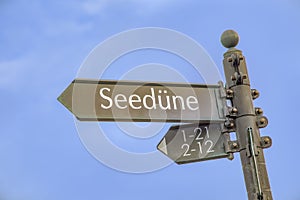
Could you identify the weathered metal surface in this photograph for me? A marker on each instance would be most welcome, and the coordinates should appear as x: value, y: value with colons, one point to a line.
x: 248, y: 118
x: 93, y: 100
x: 194, y: 143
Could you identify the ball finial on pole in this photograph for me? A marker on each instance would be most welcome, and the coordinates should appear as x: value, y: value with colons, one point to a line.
x: 229, y: 38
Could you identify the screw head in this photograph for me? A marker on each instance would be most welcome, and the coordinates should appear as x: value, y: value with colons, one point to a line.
x: 229, y: 124
x: 255, y: 93
x: 259, y: 111
x: 229, y: 92
x: 266, y: 140
x: 234, y: 145
x: 234, y: 110
x: 229, y: 38
x: 263, y: 120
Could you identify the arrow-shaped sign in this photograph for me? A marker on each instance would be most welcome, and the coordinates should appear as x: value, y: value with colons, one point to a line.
x: 98, y: 100
x: 194, y: 143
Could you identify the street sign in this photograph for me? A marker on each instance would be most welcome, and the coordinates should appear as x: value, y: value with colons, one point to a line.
x: 194, y: 143
x: 204, y: 105
x: 98, y: 100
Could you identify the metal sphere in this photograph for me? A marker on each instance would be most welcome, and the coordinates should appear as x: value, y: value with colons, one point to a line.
x: 229, y: 38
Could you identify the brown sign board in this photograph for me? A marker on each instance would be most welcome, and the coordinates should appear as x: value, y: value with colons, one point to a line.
x: 194, y: 143
x: 100, y: 100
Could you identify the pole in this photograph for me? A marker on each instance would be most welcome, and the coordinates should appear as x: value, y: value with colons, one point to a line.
x: 247, y: 122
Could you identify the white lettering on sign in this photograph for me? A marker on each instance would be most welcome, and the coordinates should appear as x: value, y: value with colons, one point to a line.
x: 203, y: 142
x: 120, y: 100
x: 106, y: 98
x: 149, y: 101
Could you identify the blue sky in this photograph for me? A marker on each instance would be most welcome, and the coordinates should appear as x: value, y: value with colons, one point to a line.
x: 43, y: 44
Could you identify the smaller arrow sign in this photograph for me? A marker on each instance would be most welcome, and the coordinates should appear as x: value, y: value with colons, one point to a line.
x: 194, y: 143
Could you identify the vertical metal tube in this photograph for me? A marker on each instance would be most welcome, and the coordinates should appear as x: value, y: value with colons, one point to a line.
x: 237, y: 79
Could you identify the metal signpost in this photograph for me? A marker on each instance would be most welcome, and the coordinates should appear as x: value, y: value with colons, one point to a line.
x: 247, y: 121
x: 205, y: 106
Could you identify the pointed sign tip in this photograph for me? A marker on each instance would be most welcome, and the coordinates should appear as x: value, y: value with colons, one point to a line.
x: 65, y: 98
x: 59, y: 98
x: 162, y: 146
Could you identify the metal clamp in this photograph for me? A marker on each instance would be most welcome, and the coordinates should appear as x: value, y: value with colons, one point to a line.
x: 227, y: 147
x: 238, y: 77
x: 233, y: 112
x: 223, y: 95
x: 235, y: 59
x: 229, y: 126
x: 234, y: 146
